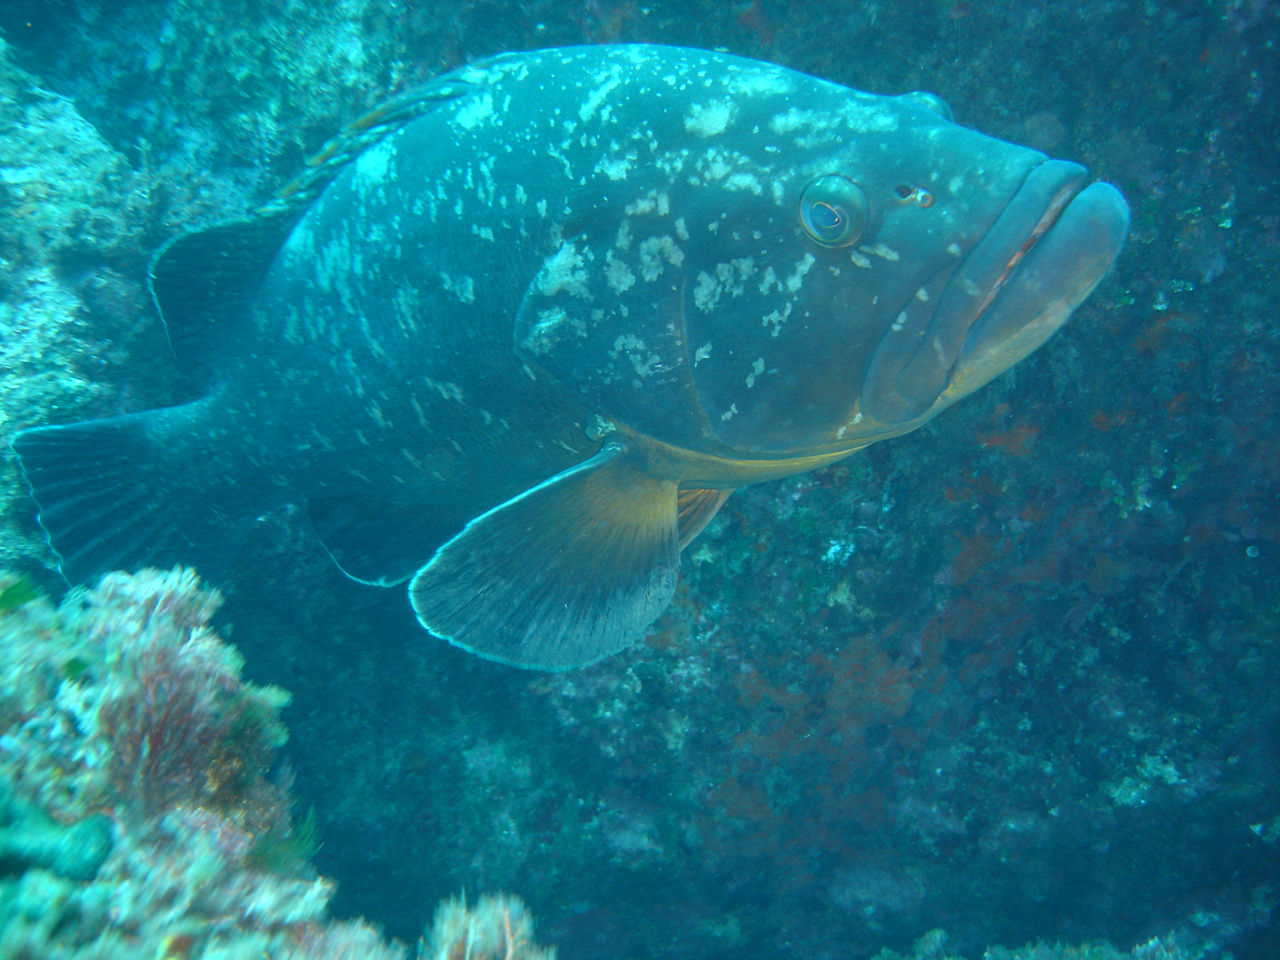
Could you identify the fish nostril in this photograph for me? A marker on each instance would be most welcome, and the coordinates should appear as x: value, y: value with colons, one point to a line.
x: 914, y: 194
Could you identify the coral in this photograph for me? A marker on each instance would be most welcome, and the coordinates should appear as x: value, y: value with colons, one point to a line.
x: 933, y: 946
x: 135, y: 802
x: 163, y: 713
x: 495, y: 928
x: 182, y: 723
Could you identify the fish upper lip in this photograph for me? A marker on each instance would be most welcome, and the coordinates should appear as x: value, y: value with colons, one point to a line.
x: 1053, y: 211
x: 1073, y: 242
x: 1045, y: 192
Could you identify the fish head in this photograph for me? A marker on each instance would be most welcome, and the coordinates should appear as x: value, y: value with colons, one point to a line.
x: 969, y: 253
x: 797, y: 269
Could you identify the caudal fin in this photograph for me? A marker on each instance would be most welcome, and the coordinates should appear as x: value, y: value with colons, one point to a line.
x: 109, y: 498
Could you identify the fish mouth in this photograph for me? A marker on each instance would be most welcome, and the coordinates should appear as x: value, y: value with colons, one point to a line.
x: 1043, y: 255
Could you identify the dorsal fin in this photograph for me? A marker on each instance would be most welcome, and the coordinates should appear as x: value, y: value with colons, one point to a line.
x: 201, y: 282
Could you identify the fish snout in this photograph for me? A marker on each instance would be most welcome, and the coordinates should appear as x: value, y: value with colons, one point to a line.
x: 1044, y: 254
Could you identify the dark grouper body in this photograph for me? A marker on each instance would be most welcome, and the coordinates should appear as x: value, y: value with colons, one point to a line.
x: 519, y: 349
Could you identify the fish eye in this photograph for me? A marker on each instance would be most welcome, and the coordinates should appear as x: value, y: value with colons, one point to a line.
x: 931, y: 101
x: 834, y: 210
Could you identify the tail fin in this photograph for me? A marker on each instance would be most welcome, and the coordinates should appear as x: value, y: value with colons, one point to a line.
x: 113, y: 496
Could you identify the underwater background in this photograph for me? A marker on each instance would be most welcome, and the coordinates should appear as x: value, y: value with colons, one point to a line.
x: 1008, y: 680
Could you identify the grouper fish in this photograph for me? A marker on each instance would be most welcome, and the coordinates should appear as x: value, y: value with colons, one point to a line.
x: 516, y: 337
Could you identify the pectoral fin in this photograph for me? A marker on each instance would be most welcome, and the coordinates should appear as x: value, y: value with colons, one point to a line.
x: 566, y: 573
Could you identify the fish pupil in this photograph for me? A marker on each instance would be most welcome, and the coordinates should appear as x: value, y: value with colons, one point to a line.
x: 826, y: 217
